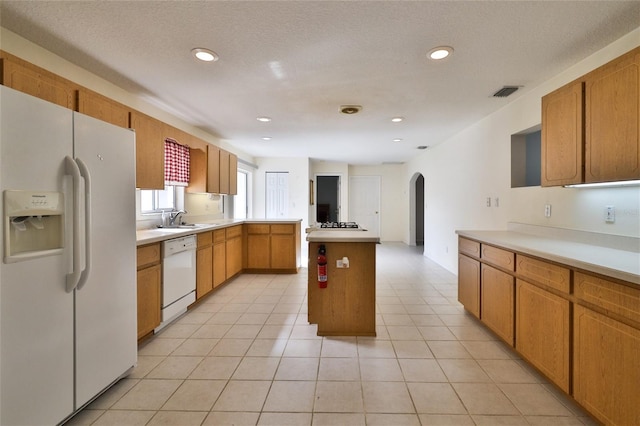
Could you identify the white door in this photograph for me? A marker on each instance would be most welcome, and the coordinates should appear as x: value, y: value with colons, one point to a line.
x: 106, y: 334
x: 364, y: 202
x: 36, y: 341
x: 277, y: 196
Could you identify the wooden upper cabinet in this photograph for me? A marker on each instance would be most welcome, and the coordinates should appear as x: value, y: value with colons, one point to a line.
x: 149, y: 151
x: 35, y: 81
x: 213, y: 167
x: 204, y: 174
x: 233, y: 174
x: 591, y: 127
x: 562, y: 136
x: 224, y: 171
x: 612, y: 120
x: 100, y: 107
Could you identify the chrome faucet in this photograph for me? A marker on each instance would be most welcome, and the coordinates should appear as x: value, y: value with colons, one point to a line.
x: 173, y: 216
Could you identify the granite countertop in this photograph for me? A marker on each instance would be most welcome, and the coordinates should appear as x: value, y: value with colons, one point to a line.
x: 611, y: 262
x: 154, y: 235
x: 346, y: 236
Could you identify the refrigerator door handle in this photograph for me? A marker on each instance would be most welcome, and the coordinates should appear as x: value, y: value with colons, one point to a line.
x: 84, y: 172
x: 73, y: 278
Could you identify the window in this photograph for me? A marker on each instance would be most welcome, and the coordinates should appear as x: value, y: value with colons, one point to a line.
x: 240, y: 200
x: 154, y: 201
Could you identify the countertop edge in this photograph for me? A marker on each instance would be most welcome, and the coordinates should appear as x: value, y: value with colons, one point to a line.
x: 334, y: 236
x: 155, y: 235
x: 586, y: 257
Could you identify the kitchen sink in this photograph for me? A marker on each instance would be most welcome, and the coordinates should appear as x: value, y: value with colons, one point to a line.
x: 184, y: 226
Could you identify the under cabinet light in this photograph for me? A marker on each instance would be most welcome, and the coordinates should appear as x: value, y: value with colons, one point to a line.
x: 605, y: 184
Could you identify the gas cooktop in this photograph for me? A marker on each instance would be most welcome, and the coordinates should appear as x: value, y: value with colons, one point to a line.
x: 339, y: 225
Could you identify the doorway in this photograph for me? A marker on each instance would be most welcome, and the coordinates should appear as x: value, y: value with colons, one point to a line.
x: 327, y: 199
x: 416, y: 209
x: 364, y: 202
x: 277, y: 194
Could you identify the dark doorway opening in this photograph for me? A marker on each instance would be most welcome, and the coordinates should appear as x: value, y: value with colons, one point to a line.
x: 327, y: 200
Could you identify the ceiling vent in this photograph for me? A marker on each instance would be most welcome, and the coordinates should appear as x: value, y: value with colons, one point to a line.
x: 505, y: 91
x: 350, y: 109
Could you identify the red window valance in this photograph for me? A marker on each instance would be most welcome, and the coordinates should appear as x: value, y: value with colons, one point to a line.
x: 176, y: 163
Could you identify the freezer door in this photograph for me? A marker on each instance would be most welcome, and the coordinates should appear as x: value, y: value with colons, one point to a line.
x: 106, y: 345
x: 36, y: 313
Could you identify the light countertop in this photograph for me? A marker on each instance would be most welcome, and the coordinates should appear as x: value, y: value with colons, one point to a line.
x: 615, y: 263
x: 154, y: 235
x: 346, y: 236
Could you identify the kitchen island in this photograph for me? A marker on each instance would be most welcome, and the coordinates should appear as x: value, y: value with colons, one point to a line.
x: 347, y: 306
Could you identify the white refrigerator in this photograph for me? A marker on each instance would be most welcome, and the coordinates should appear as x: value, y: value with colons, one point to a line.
x: 68, y: 269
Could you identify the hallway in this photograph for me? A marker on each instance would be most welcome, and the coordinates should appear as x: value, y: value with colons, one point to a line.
x: 247, y: 356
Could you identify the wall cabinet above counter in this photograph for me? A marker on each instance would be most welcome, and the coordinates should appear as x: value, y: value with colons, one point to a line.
x: 221, y: 165
x: 213, y: 170
x: 591, y: 126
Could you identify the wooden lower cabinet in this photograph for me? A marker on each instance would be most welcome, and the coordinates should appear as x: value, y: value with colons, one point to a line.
x: 497, y: 302
x: 204, y: 271
x: 469, y: 284
x: 258, y: 246
x: 580, y: 329
x: 283, y: 251
x: 149, y: 282
x: 233, y: 251
x: 543, y: 330
x: 219, y: 262
x: 606, y: 367
x: 273, y: 247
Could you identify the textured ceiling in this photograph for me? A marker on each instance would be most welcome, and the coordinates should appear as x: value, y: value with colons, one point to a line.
x: 298, y: 61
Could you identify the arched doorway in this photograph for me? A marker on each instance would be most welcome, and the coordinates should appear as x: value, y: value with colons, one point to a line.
x: 416, y: 209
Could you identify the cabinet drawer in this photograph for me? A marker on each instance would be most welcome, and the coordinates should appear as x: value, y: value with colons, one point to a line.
x: 472, y: 248
x: 148, y: 255
x: 544, y: 273
x: 257, y: 228
x: 218, y: 236
x: 205, y: 239
x: 498, y: 257
x: 613, y: 297
x: 283, y: 229
x: 234, y: 231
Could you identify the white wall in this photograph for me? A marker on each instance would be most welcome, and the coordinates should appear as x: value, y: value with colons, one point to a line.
x: 462, y: 172
x: 298, y: 169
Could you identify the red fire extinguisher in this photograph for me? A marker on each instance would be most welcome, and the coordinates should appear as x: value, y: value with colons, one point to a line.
x: 322, y: 267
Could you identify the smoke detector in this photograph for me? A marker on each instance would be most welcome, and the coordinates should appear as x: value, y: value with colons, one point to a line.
x: 350, y: 109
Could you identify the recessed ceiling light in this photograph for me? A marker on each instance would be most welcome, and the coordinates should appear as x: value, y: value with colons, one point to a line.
x: 397, y: 140
x: 264, y: 119
x: 440, y: 52
x: 397, y: 119
x: 205, y: 55
x: 266, y: 138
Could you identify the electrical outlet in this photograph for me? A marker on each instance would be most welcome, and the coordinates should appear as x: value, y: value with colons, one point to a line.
x: 547, y: 210
x: 609, y: 214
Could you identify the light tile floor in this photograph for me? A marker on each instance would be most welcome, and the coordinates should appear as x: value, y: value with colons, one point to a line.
x: 247, y: 356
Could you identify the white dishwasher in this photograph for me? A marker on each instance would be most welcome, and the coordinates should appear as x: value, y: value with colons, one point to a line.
x: 178, y: 277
